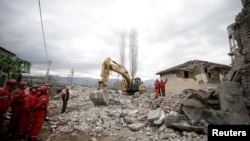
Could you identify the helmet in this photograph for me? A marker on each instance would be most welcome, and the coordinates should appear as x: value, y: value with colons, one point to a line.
x: 47, y: 85
x: 43, y: 89
x: 33, y: 88
x: 38, y: 89
x: 22, y: 84
x: 11, y: 82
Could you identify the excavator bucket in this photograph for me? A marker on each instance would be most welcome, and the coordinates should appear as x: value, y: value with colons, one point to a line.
x: 100, y: 97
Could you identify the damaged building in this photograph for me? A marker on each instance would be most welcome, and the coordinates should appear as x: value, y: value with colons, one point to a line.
x: 194, y: 74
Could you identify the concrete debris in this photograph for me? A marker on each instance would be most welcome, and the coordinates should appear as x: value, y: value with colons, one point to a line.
x: 187, y: 127
x: 114, y: 102
x: 172, y: 117
x: 161, y: 119
x: 213, y: 116
x: 134, y: 118
x: 66, y: 129
x: 232, y: 99
x: 136, y: 126
x: 154, y: 114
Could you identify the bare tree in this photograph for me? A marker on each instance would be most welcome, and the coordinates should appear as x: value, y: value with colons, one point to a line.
x: 133, y: 53
x: 122, y: 49
x: 122, y: 54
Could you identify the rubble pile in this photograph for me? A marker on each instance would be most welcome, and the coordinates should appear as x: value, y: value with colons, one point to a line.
x: 139, y: 117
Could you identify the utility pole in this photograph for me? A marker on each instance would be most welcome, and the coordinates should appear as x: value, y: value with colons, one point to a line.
x: 68, y: 79
x: 72, y: 72
x: 47, y: 74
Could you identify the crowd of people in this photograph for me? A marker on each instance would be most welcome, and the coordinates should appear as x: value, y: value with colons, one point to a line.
x: 28, y: 110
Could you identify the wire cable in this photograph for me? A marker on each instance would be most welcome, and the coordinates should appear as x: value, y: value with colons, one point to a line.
x: 43, y: 31
x: 47, y: 74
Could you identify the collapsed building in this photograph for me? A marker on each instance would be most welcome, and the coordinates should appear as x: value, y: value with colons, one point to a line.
x: 195, y: 74
x: 235, y: 91
x: 239, y: 43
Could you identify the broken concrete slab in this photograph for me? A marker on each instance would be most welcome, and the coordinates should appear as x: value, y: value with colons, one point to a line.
x: 66, y: 129
x: 136, y: 126
x: 231, y: 98
x: 154, y: 114
x: 161, y: 119
x: 172, y: 117
x: 186, y: 127
x: 98, y: 130
x: 193, y: 103
x: 213, y: 116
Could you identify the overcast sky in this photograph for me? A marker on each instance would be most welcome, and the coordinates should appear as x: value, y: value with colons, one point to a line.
x: 81, y: 34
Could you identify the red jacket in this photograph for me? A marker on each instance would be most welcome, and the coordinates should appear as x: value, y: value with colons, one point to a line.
x: 18, y: 97
x: 157, y: 85
x: 42, y: 103
x: 29, y: 102
x: 5, y: 100
x: 162, y: 84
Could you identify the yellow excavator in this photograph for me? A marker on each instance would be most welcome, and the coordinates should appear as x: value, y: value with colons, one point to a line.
x: 129, y: 85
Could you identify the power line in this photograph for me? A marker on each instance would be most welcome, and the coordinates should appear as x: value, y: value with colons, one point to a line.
x: 43, y: 31
x: 47, y: 74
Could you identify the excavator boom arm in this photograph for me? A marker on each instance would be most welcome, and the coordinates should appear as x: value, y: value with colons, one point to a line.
x: 110, y: 65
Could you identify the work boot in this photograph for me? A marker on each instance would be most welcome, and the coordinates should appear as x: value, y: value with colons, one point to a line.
x: 20, y: 136
x: 9, y: 136
x: 33, y: 139
x: 10, y: 132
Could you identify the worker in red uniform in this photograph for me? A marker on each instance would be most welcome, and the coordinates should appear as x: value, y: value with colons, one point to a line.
x: 16, y: 108
x: 48, y: 97
x: 39, y: 113
x: 5, y: 99
x: 26, y: 117
x: 157, y: 88
x: 162, y: 86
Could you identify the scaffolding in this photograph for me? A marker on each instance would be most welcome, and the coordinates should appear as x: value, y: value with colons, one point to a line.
x: 12, y: 63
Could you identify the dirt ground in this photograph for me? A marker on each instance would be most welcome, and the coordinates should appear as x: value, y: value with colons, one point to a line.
x: 46, y: 132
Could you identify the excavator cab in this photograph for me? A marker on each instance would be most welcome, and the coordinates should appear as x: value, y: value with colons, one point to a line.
x: 135, y: 86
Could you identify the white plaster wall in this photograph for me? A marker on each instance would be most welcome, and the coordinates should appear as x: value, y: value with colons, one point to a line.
x: 175, y: 84
x: 200, y: 77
